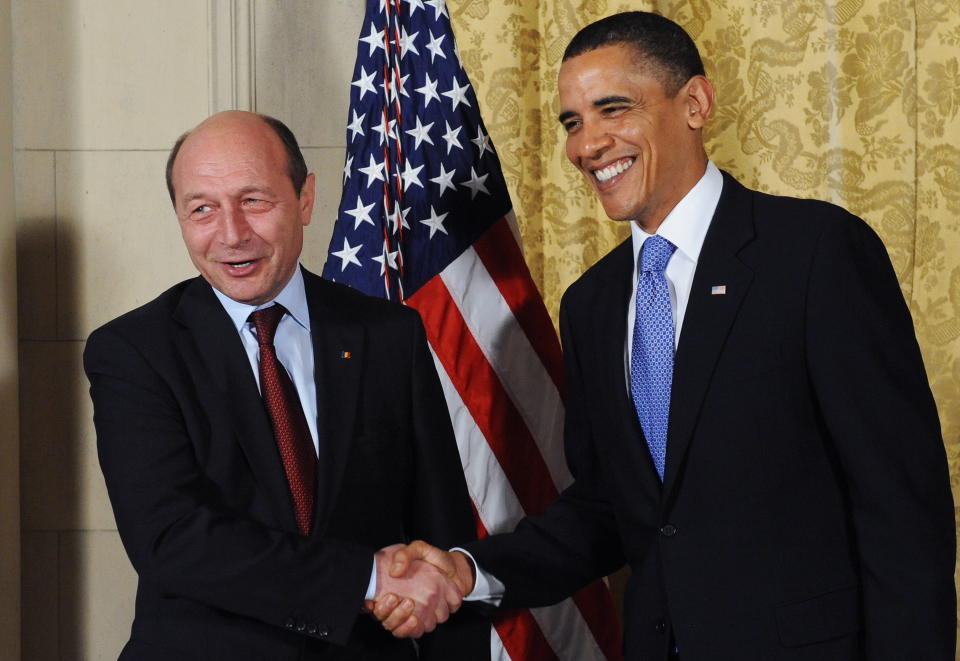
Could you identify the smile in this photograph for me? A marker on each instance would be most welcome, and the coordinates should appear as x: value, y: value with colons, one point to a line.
x: 611, y: 171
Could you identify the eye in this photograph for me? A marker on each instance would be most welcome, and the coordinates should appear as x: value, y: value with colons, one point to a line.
x: 255, y: 204
x: 203, y: 208
x: 571, y: 124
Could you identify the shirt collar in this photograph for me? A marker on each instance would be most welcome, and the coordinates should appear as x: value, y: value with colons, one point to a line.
x: 293, y: 297
x: 686, y: 224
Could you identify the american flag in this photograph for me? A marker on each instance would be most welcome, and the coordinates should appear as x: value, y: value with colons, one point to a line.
x: 426, y: 219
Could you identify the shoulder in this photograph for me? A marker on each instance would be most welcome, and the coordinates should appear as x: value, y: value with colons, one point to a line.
x: 795, y: 217
x: 150, y: 318
x: 610, y: 270
x: 347, y: 305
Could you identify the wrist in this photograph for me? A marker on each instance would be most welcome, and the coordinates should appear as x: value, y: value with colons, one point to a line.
x: 466, y: 571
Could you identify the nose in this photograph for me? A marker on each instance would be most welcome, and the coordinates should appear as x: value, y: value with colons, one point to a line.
x: 589, y: 143
x: 234, y: 229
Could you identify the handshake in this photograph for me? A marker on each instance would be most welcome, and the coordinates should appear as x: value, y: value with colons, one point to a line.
x: 418, y: 587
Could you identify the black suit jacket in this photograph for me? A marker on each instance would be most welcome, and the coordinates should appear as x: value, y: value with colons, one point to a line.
x: 202, y: 503
x: 806, y: 509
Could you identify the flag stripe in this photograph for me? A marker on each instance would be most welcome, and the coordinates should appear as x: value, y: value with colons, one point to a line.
x: 512, y: 357
x: 484, y: 396
x: 503, y: 258
x: 494, y: 500
x: 496, y: 505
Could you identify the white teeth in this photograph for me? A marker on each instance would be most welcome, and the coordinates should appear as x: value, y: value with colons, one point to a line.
x: 240, y: 265
x: 611, y: 171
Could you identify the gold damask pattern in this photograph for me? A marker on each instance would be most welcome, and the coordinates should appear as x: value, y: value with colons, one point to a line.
x: 853, y: 101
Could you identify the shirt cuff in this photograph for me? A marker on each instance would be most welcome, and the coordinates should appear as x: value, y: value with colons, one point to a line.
x: 372, y: 585
x: 487, y: 588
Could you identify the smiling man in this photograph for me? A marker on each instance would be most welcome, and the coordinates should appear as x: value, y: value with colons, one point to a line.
x: 749, y: 421
x: 243, y: 420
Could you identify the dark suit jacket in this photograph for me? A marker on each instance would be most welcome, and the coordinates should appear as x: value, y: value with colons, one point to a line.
x: 202, y: 504
x: 806, y: 509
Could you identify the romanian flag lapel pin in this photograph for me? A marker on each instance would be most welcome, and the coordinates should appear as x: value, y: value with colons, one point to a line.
x: 718, y: 290
x: 346, y: 354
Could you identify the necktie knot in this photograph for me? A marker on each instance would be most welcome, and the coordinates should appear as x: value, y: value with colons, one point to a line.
x: 656, y: 253
x: 265, y: 321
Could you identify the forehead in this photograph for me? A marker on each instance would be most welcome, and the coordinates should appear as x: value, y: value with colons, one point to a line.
x: 232, y: 150
x: 602, y: 71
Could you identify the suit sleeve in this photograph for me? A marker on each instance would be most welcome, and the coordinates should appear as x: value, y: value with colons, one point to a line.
x: 441, y: 511
x: 871, y: 387
x: 181, y: 536
x: 575, y: 540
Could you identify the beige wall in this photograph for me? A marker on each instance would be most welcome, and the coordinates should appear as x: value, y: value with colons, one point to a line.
x: 101, y: 90
x: 9, y: 445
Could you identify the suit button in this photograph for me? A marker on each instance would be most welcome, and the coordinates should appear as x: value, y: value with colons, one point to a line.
x: 323, y: 632
x: 660, y: 626
x: 312, y: 629
x: 668, y: 530
x: 301, y: 627
x: 290, y: 623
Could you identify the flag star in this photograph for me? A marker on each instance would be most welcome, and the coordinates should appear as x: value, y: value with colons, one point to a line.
x: 406, y: 42
x: 393, y: 88
x: 434, y: 46
x: 356, y: 125
x: 399, y: 217
x: 348, y: 255
x: 439, y: 7
x: 385, y: 259
x: 429, y: 90
x: 361, y: 214
x: 482, y: 141
x: 457, y: 94
x: 445, y: 179
x: 374, y: 171
x: 435, y: 222
x: 346, y: 168
x: 365, y: 82
x: 410, y: 175
x: 385, y: 132
x: 415, y: 5
x: 475, y: 183
x: 451, y: 137
x: 421, y: 133
x: 374, y: 39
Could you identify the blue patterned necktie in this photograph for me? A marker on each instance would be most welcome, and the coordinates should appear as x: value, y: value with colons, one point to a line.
x: 651, y: 360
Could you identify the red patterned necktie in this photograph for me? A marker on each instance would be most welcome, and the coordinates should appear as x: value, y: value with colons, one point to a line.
x: 289, y: 423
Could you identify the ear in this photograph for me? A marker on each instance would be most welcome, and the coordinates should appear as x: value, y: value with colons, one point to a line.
x: 307, y: 193
x: 698, y: 95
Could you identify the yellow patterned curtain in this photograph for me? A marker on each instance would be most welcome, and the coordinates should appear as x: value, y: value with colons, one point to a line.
x: 856, y: 102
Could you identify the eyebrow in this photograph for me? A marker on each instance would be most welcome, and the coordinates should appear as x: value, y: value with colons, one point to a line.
x: 190, y: 197
x: 599, y: 103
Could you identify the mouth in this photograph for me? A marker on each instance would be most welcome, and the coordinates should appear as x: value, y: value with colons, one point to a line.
x: 240, y: 266
x: 604, y: 175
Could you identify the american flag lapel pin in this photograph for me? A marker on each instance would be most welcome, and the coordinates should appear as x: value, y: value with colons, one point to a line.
x: 718, y: 290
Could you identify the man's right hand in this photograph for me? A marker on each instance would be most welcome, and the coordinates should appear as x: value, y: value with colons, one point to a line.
x: 401, y: 616
x: 413, y: 595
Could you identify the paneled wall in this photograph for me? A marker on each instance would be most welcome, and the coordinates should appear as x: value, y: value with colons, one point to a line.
x: 101, y: 90
x: 9, y: 442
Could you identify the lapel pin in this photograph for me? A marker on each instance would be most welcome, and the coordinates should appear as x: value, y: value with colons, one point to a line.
x: 345, y: 354
x: 718, y: 290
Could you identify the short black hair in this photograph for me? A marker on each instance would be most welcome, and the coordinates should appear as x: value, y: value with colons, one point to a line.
x: 296, y: 166
x: 657, y: 40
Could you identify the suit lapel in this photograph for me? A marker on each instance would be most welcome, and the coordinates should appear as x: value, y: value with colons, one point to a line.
x: 708, y: 317
x: 610, y: 329
x: 225, y: 362
x: 338, y: 355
